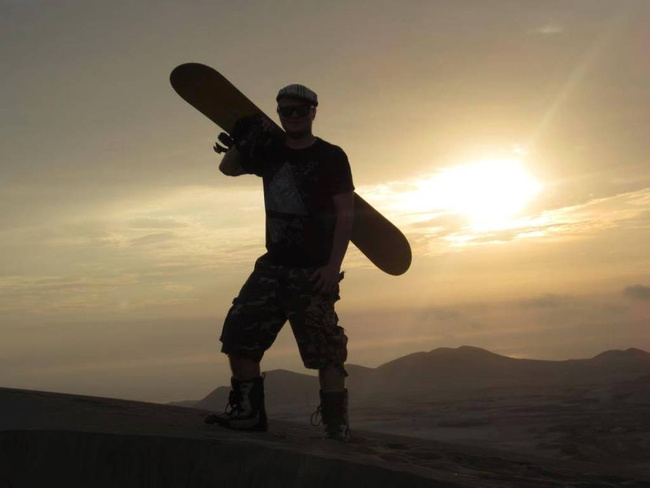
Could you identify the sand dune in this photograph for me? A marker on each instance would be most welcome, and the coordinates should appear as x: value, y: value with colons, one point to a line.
x: 49, y: 439
x: 593, y: 410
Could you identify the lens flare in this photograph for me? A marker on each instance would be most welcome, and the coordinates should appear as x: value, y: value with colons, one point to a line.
x: 489, y: 193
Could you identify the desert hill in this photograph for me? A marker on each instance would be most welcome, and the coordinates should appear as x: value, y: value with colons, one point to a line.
x: 447, y: 372
x: 469, y: 363
x: 593, y: 410
x: 50, y: 439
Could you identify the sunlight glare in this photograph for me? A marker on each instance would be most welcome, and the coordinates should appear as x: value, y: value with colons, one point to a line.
x: 489, y: 193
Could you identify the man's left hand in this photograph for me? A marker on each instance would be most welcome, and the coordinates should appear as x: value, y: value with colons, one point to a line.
x: 326, y: 279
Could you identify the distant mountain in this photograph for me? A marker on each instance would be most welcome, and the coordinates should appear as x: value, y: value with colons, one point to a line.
x: 471, y: 365
x: 445, y: 371
x: 629, y: 355
x: 281, y: 387
x: 445, y: 364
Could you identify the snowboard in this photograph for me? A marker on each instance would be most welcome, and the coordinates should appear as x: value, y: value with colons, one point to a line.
x: 214, y: 96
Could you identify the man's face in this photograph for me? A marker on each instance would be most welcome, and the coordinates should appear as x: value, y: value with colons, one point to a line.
x: 296, y: 116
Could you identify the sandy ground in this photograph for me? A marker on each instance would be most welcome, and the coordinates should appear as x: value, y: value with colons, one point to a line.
x: 106, y: 428
x: 604, y: 424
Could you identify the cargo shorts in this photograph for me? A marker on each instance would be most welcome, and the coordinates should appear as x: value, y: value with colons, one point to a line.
x: 274, y: 294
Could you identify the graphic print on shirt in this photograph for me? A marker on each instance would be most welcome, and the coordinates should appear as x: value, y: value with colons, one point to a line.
x: 282, y: 197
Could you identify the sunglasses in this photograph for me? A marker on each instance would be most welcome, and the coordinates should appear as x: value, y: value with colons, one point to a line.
x: 299, y: 110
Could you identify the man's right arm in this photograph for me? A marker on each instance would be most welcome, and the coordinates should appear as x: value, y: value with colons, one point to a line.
x: 231, y: 163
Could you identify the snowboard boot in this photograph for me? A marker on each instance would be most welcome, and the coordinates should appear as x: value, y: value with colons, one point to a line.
x: 245, y: 409
x: 333, y: 414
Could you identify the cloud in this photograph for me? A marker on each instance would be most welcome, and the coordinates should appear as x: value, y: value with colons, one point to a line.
x: 40, y: 294
x: 637, y: 292
x: 548, y: 300
x: 433, y: 231
x: 440, y: 314
x: 133, y: 257
x: 451, y: 322
x: 446, y: 223
x: 153, y: 239
x: 97, y: 295
x: 548, y: 29
x: 156, y: 223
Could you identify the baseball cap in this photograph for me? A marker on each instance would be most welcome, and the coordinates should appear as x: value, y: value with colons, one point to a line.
x: 300, y: 92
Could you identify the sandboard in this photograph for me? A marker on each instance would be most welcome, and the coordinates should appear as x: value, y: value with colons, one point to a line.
x: 219, y: 100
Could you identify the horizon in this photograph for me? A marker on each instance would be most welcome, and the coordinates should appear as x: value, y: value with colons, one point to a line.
x: 507, y: 141
x: 314, y: 374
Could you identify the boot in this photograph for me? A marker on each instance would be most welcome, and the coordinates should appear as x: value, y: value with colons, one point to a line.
x: 333, y: 414
x: 245, y: 409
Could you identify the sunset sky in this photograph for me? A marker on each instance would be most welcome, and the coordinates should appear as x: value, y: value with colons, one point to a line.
x: 508, y: 139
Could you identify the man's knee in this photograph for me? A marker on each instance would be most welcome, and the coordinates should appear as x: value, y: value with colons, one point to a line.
x: 333, y: 368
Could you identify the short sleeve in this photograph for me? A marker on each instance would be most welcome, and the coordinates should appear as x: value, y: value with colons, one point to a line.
x: 338, y: 174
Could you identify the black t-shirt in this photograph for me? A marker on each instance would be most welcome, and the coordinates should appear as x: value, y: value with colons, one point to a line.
x: 298, y: 189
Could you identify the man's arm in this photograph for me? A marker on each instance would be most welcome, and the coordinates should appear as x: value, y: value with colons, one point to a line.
x: 344, y: 208
x: 260, y: 134
x: 231, y: 163
x: 327, y: 277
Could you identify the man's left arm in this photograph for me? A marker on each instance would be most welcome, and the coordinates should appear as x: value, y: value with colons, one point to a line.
x: 328, y: 276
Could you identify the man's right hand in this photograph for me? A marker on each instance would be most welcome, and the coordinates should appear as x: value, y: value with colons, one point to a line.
x: 252, y: 136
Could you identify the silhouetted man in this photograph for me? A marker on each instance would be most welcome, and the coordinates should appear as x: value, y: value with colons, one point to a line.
x: 309, y: 201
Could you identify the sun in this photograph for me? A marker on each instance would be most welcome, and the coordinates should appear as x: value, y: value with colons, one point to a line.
x: 489, y: 193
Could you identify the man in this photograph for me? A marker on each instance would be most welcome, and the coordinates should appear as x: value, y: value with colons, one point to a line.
x: 309, y: 201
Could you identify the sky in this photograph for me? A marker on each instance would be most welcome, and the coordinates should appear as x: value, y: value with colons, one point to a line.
x: 507, y: 139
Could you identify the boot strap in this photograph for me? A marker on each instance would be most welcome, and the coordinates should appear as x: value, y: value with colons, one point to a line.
x: 317, y: 417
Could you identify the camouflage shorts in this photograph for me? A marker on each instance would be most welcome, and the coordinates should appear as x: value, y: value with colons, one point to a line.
x: 271, y: 295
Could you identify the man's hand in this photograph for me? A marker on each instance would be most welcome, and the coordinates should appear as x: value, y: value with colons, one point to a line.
x: 253, y: 136
x: 326, y: 278
x: 268, y: 126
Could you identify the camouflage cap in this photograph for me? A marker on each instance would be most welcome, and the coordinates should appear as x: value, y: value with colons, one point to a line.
x: 301, y: 92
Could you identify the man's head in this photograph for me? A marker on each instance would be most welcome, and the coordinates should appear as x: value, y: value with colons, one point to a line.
x: 297, y: 109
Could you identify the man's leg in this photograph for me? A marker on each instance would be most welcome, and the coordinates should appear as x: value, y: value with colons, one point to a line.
x: 329, y: 346
x: 331, y: 378
x: 243, y: 368
x: 323, y: 346
x: 246, y: 410
x: 250, y: 328
x: 333, y: 402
